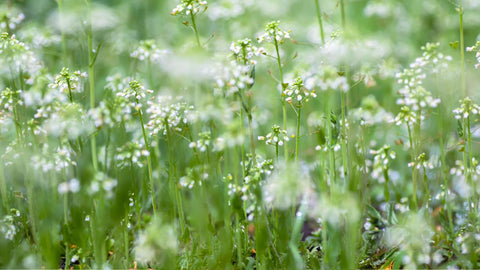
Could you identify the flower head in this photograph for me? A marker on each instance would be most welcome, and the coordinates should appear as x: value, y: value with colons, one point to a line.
x: 273, y: 33
x: 187, y: 7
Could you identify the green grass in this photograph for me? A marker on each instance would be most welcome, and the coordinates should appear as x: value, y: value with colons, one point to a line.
x: 268, y: 134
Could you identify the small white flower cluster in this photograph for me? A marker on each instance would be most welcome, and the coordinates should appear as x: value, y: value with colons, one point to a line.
x: 66, y: 81
x: 110, y: 113
x: 326, y: 78
x: 276, y: 138
x: 165, y: 116
x: 9, y: 99
x: 411, y: 79
x: 189, y: 7
x: 466, y: 109
x: 421, y: 162
x: 297, y: 94
x: 475, y: 48
x: 7, y: 225
x: 436, y: 60
x: 121, y: 107
x: 417, y: 98
x: 203, y: 143
x: 232, y: 78
x: 382, y: 158
x: 243, y: 51
x: 238, y: 191
x: 71, y: 186
x: 147, y: 51
x: 262, y: 167
x: 17, y: 57
x: 195, y: 176
x: 9, y: 19
x: 57, y: 159
x: 131, y: 153
x: 273, y: 33
x: 135, y: 93
x: 405, y: 115
x: 117, y: 82
x: 245, y: 190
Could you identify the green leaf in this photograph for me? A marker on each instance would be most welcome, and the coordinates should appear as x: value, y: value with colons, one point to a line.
x: 454, y: 45
x: 459, y: 128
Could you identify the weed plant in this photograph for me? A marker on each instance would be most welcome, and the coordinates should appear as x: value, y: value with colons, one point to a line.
x: 275, y: 134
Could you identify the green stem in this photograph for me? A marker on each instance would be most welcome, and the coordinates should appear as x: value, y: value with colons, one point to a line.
x: 3, y: 188
x: 414, y: 175
x: 175, y: 191
x: 125, y: 240
x: 427, y: 188
x: 65, y: 208
x: 70, y: 96
x: 470, y: 155
x: 330, y: 140
x: 244, y: 166
x: 149, y: 162
x: 252, y: 141
x: 342, y: 10
x: 192, y: 17
x: 462, y: 50
x: 320, y: 22
x: 386, y: 190
x: 91, y: 75
x: 284, y: 107
x: 443, y: 161
x: 297, y: 141
x: 346, y: 170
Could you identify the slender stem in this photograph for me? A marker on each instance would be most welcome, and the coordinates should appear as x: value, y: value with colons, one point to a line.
x: 149, y: 162
x: 462, y: 50
x: 284, y: 107
x: 443, y: 162
x: 297, y: 141
x: 252, y: 141
x: 3, y: 188
x: 244, y: 166
x: 330, y: 140
x: 91, y: 75
x: 466, y: 159
x: 31, y: 207
x: 175, y: 191
x: 344, y: 141
x: 125, y: 239
x: 342, y: 10
x: 414, y: 175
x: 192, y: 17
x: 320, y: 22
x: 471, y: 159
x: 70, y: 96
x: 427, y: 188
x: 65, y: 208
x: 386, y: 190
